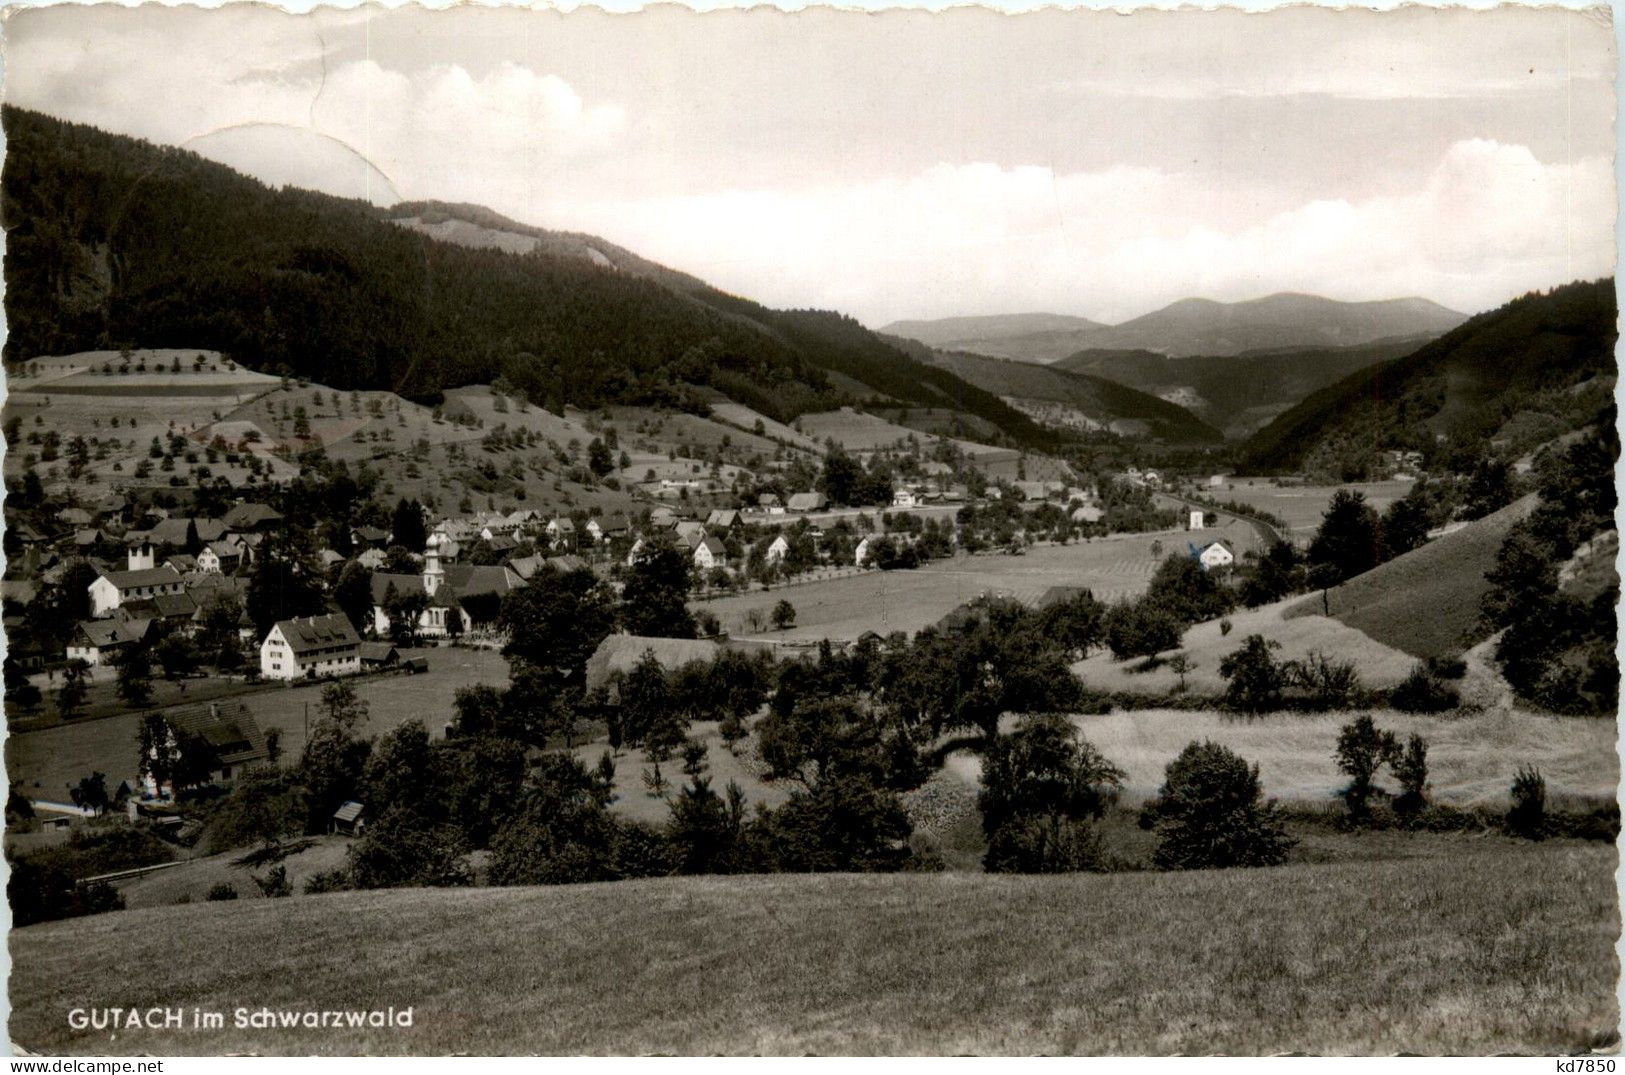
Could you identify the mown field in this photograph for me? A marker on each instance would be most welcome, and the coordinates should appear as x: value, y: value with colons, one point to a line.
x: 1207, y: 644
x: 1494, y: 948
x: 1301, y: 506
x: 45, y: 763
x: 885, y: 601
x: 1472, y: 758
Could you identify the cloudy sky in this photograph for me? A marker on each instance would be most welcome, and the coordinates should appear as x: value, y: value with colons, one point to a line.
x: 907, y: 164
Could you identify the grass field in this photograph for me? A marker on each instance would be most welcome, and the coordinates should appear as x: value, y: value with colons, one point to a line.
x: 1207, y: 645
x: 1471, y: 758
x: 1301, y: 506
x: 844, y: 608
x: 1425, y: 602
x: 44, y: 763
x: 1493, y: 948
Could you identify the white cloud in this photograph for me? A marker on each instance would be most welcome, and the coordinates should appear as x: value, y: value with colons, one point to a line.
x: 1491, y: 221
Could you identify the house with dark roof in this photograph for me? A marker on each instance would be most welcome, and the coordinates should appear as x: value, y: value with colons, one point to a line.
x: 376, y: 656
x: 369, y: 537
x: 350, y: 819
x: 618, y: 654
x: 251, y: 517
x: 221, y: 736
x: 311, y: 646
x: 171, y: 608
x: 808, y: 502
x: 97, y: 642
x: 113, y: 588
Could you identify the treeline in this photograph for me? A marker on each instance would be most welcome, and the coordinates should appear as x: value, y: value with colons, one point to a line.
x: 114, y: 243
x: 1558, y: 645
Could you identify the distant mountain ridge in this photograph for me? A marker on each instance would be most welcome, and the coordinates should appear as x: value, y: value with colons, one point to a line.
x: 1538, y: 367
x: 1077, y: 400
x: 1197, y: 327
x: 1238, y: 393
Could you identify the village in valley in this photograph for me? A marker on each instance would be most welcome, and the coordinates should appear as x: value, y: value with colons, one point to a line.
x: 409, y: 605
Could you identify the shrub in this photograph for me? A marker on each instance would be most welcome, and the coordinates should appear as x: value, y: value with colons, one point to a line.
x: 1255, y: 679
x: 1411, y: 770
x: 1421, y: 691
x: 275, y: 883
x: 1527, y: 818
x: 337, y: 880
x: 221, y: 891
x: 1209, y: 813
x: 1329, y: 684
x: 1361, y: 751
x: 1446, y: 667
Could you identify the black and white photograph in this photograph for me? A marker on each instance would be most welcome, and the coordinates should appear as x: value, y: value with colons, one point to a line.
x: 537, y: 532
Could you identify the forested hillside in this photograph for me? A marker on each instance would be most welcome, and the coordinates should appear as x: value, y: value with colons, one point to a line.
x: 1105, y: 401
x: 1538, y: 367
x: 114, y: 242
x: 1237, y: 393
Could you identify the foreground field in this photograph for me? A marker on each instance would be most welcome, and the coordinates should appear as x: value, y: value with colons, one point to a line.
x: 1471, y: 759
x: 45, y: 763
x: 1498, y: 950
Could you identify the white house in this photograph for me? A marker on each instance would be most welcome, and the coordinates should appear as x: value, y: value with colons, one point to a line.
x: 777, y: 551
x: 1198, y: 519
x: 861, y: 555
x: 141, y: 556
x: 709, y: 553
x: 112, y: 588
x: 97, y: 641
x: 311, y: 646
x: 561, y: 532
x: 1216, y: 554
x: 904, y: 497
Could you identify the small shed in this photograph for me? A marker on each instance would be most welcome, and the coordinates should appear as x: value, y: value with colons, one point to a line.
x: 350, y: 819
x: 376, y: 656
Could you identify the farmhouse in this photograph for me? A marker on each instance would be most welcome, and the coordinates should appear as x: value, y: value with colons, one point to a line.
x: 309, y: 647
x: 808, y: 501
x: 251, y: 517
x: 222, y: 557
x: 769, y: 503
x: 904, y: 497
x: 621, y: 653
x: 777, y: 551
x: 608, y: 528
x: 724, y: 519
x: 561, y: 532
x: 97, y: 642
x: 112, y: 588
x: 376, y: 656
x: 227, y: 741
x: 1215, y: 554
x: 710, y: 553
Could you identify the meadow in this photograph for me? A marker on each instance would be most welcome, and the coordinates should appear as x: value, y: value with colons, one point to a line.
x: 1487, y: 947
x: 842, y: 609
x: 1301, y: 506
x: 1471, y: 757
x: 45, y: 763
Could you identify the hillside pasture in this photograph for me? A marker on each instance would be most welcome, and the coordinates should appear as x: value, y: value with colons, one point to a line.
x: 1426, y: 602
x: 44, y: 763
x: 1492, y: 948
x: 1302, y: 506
x: 842, y: 609
x: 742, y: 417
x: 1206, y: 645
